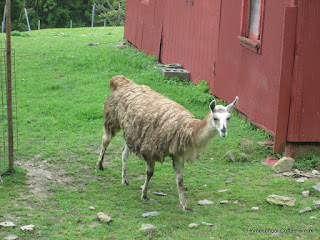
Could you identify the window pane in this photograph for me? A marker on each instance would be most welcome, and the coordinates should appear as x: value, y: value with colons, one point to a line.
x: 254, y: 22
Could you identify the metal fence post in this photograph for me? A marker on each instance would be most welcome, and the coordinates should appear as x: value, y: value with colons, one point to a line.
x: 25, y: 10
x: 92, y: 20
x: 9, y: 87
x: 4, y: 18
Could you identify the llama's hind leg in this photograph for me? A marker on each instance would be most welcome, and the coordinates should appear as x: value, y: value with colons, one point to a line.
x: 149, y: 174
x: 125, y: 154
x: 178, y: 168
x: 106, y: 139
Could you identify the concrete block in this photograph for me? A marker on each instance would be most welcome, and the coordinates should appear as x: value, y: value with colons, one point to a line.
x: 181, y: 73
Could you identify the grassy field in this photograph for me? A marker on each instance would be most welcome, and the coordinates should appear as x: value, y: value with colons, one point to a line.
x: 62, y: 85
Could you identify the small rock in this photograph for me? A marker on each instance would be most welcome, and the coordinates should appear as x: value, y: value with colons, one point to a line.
x: 104, y: 217
x: 27, y: 228
x: 287, y: 174
x: 8, y: 224
x: 297, y: 171
x: 307, y: 209
x: 49, y: 177
x: 11, y: 237
x: 231, y: 155
x: 148, y: 228
x: 121, y: 46
x: 281, y: 200
x: 224, y: 202
x: 92, y: 208
x: 305, y: 194
x: 150, y: 214
x: 243, y: 157
x: 62, y: 33
x: 246, y: 142
x: 160, y: 194
x: 316, y: 204
x: 255, y: 208
x: 236, y: 202
x: 313, y: 217
x: 229, y: 180
x: 301, y: 180
x: 285, y: 164
x: 205, y: 202
x: 93, y: 43
x: 317, y: 187
x: 207, y: 224
x: 223, y: 190
x: 193, y: 225
x: 315, y: 172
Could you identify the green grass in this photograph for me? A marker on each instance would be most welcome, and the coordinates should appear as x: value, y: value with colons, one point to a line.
x: 60, y: 102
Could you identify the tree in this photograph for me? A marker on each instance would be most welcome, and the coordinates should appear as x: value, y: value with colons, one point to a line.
x: 58, y: 13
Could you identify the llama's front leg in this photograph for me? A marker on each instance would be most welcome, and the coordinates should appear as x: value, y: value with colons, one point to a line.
x: 125, y: 155
x: 105, y: 142
x: 149, y: 174
x: 178, y: 168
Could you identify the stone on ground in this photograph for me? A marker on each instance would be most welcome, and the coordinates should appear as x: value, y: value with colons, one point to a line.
x: 281, y: 200
x: 285, y: 164
x: 104, y: 217
x: 148, y: 228
x: 205, y: 202
x: 7, y: 224
x: 305, y: 194
x: 27, y: 228
x: 193, y: 225
x: 150, y: 214
x: 307, y: 209
x: 317, y: 187
x: 11, y: 237
x: 316, y: 204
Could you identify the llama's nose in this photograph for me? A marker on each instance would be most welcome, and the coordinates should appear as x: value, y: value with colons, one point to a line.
x: 224, y: 129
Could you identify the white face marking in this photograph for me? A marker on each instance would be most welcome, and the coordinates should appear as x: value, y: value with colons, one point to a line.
x: 220, y: 118
x: 221, y: 115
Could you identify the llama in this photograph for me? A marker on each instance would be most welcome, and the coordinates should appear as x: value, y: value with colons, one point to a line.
x: 155, y: 127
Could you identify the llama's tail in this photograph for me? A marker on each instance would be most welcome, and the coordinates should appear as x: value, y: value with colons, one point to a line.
x: 118, y: 82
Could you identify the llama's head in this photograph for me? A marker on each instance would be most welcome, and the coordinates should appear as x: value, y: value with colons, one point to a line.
x: 220, y: 116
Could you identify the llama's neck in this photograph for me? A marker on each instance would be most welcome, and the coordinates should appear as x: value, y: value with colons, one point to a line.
x: 204, y: 131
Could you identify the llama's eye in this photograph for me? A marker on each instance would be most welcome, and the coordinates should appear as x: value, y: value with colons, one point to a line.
x: 215, y: 119
x: 228, y: 118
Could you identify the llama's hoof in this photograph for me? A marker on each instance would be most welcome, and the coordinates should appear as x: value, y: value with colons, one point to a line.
x: 185, y: 209
x: 100, y: 167
x: 125, y: 182
x: 144, y: 198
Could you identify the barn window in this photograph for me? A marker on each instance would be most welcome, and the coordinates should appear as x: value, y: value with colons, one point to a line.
x: 145, y: 2
x: 251, y: 24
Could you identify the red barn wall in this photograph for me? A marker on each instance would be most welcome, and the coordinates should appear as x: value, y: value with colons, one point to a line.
x: 255, y: 78
x: 304, y: 120
x: 278, y: 89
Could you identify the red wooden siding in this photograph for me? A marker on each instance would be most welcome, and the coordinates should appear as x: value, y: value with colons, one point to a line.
x: 278, y: 88
x: 254, y: 77
x: 143, y: 25
x: 190, y: 36
x: 304, y: 123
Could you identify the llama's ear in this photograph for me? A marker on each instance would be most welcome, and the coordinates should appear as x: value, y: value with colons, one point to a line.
x: 212, y: 105
x: 231, y: 105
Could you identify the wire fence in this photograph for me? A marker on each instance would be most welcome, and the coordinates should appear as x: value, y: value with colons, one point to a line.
x: 4, y: 145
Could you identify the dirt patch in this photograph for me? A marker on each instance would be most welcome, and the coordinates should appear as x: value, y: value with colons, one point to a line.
x: 42, y: 176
